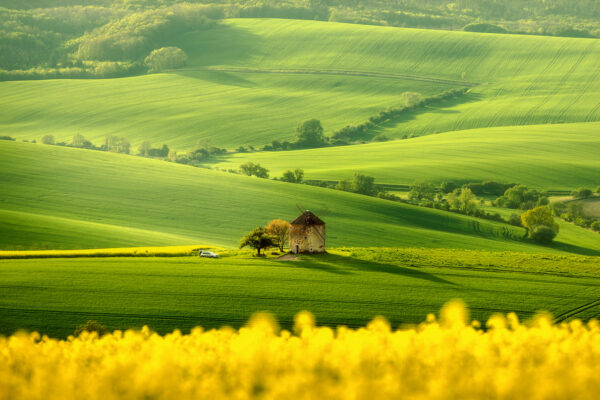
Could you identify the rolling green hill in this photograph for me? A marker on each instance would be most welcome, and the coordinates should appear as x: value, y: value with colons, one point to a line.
x: 252, y: 80
x: 551, y: 157
x: 55, y: 197
x: 69, y: 198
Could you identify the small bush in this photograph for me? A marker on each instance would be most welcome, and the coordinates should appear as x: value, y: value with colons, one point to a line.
x: 595, y: 226
x: 6, y: 138
x: 48, y: 139
x: 581, y: 193
x: 91, y: 326
x: 448, y: 187
x: 543, y: 234
x: 380, y: 138
x: 515, y: 219
x: 484, y: 28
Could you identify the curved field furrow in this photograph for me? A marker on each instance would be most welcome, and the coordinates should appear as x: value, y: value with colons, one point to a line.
x: 339, y: 73
x: 355, y: 71
x: 576, y: 311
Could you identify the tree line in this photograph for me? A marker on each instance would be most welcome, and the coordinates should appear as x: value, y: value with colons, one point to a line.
x: 203, y: 152
x: 310, y: 134
x: 68, y: 38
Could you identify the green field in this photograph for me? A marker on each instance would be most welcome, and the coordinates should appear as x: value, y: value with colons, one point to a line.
x: 252, y: 80
x: 53, y: 194
x: 344, y: 288
x: 531, y: 116
x: 551, y: 157
x: 181, y: 108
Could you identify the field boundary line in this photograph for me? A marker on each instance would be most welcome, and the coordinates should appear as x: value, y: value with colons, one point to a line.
x: 577, y: 310
x: 367, y: 74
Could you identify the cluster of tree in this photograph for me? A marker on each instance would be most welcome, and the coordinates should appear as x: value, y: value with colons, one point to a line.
x: 137, y: 34
x: 547, y: 17
x: 459, y: 200
x: 7, y: 138
x: 540, y: 224
x: 252, y: 169
x: 203, y: 152
x: 145, y: 149
x: 427, y: 191
x: 582, y: 193
x: 572, y: 211
x: 82, y: 70
x: 165, y: 58
x: 30, y: 38
x: 96, y: 41
x: 295, y: 176
x: 520, y: 197
x: 392, y: 16
x: 115, y: 144
x: 58, y: 35
x: 361, y: 184
x: 278, y: 9
x: 309, y: 134
x: 486, y: 188
x: 413, y: 101
x: 275, y: 234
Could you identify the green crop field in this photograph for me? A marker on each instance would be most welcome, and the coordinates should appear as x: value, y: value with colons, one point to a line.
x: 531, y: 116
x: 181, y: 108
x: 53, y: 194
x: 551, y: 157
x: 344, y: 288
x: 251, y: 81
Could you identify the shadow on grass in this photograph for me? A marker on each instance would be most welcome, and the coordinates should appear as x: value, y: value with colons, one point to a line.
x: 571, y: 248
x: 341, y: 265
x: 441, y: 107
x: 217, y: 77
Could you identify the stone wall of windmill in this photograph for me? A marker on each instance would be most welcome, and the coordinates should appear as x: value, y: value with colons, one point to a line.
x: 307, y: 234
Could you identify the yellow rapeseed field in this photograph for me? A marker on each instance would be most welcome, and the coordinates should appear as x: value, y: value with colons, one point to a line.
x: 163, y: 251
x: 447, y: 358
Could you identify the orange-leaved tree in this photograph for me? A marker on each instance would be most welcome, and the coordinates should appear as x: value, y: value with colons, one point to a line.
x: 280, y: 230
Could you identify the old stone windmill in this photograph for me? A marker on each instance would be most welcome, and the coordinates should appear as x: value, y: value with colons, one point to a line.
x: 307, y: 234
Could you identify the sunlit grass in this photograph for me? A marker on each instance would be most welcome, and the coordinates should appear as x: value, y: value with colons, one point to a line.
x: 159, y: 203
x: 519, y: 80
x: 549, y: 157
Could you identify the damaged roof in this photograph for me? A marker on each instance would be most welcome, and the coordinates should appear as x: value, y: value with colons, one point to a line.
x: 307, y: 218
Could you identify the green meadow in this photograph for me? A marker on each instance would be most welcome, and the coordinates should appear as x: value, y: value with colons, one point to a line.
x: 251, y: 81
x: 347, y: 287
x: 550, y: 157
x: 531, y: 116
x: 52, y: 194
x: 184, y: 107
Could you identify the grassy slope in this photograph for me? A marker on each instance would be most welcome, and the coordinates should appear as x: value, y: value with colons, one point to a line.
x: 524, y: 80
x: 341, y: 288
x: 115, y: 199
x: 189, y: 205
x: 557, y: 157
x: 184, y: 107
